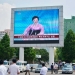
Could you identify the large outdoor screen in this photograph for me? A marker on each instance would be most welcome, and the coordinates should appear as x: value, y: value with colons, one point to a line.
x: 36, y: 26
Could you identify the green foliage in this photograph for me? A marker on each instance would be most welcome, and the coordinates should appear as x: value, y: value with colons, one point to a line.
x: 29, y: 54
x: 58, y: 54
x: 73, y: 61
x: 6, y: 52
x: 17, y: 52
x: 5, y: 41
x: 68, y: 51
x: 44, y: 54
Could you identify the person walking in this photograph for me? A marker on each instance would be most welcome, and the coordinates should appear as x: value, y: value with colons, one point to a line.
x: 43, y: 70
x: 3, y: 69
x: 13, y: 68
x: 56, y: 68
x: 31, y: 68
x: 27, y: 69
x: 52, y: 68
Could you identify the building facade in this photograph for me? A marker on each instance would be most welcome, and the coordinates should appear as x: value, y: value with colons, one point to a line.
x: 69, y: 24
x: 2, y: 33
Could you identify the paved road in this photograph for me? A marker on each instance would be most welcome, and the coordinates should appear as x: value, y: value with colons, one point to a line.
x: 49, y: 73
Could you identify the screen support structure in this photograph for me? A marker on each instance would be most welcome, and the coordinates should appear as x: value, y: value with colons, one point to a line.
x: 51, y: 55
x: 21, y: 53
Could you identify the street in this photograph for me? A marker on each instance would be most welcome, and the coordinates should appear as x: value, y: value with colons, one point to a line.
x: 49, y: 73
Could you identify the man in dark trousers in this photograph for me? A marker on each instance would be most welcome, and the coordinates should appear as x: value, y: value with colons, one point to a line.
x: 52, y: 68
x: 27, y: 69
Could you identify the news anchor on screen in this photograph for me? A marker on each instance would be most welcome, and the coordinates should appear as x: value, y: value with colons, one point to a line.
x: 34, y: 29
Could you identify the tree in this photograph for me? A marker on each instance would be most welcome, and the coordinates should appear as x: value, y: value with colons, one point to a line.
x: 5, y: 41
x: 17, y: 52
x: 68, y: 51
x: 29, y: 54
x: 6, y: 52
x: 44, y: 54
x: 58, y: 54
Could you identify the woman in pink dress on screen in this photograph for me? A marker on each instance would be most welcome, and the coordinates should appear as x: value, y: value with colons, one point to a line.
x: 34, y: 29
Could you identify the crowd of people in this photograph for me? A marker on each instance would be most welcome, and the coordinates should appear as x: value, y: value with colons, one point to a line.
x: 54, y: 68
x: 14, y: 69
x: 58, y: 66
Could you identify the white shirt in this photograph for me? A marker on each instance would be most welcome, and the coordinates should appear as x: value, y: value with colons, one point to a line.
x: 55, y: 66
x: 3, y: 70
x: 27, y: 67
x: 43, y: 71
x: 13, y: 69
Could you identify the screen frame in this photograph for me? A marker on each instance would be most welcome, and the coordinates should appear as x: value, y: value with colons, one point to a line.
x: 61, y: 28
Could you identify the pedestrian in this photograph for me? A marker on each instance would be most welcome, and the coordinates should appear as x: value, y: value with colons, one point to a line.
x: 43, y: 70
x: 52, y: 68
x: 3, y: 69
x: 56, y: 68
x: 13, y: 68
x: 60, y: 65
x: 31, y: 68
x: 27, y: 69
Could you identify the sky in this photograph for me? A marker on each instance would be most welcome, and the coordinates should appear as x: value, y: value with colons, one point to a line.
x: 6, y: 5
